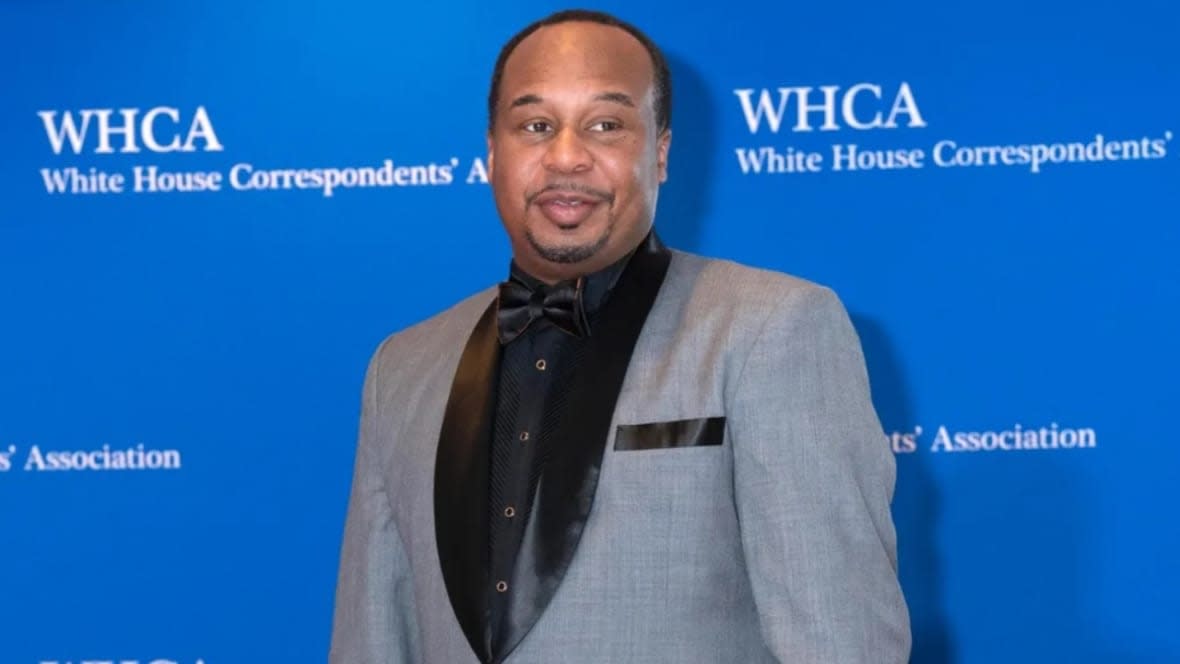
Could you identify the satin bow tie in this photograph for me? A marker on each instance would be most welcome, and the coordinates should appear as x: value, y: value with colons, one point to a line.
x: 560, y: 304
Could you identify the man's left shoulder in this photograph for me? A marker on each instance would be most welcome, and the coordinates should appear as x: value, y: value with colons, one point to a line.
x: 748, y: 290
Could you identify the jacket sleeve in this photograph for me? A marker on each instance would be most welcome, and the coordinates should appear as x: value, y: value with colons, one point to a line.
x: 374, y: 619
x: 813, y: 478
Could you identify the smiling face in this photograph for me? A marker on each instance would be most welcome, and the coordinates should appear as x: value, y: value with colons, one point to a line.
x: 575, y: 157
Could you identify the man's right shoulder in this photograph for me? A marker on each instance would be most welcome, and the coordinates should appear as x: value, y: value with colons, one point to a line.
x: 443, y: 332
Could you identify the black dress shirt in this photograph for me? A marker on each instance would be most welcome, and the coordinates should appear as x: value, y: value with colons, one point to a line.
x: 535, y: 371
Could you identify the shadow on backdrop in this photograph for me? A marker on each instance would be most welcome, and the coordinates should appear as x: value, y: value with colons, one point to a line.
x: 684, y: 198
x: 915, y: 501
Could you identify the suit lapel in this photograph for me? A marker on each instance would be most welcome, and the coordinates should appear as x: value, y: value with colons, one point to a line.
x: 565, y: 492
x: 461, y: 482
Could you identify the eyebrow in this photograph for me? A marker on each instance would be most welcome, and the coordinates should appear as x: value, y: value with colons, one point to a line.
x: 525, y: 100
x: 616, y: 97
x: 620, y: 98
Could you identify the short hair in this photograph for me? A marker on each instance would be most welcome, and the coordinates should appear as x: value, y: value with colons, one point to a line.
x: 661, y: 75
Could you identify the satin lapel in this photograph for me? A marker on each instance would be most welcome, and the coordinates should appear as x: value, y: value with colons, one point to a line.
x: 565, y: 492
x: 461, y: 482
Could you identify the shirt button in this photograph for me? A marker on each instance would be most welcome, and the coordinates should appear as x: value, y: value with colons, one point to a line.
x: 540, y: 365
x: 510, y: 511
x: 524, y: 435
x: 501, y: 586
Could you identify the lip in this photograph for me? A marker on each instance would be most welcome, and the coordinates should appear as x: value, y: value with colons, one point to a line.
x: 566, y: 197
x: 566, y: 209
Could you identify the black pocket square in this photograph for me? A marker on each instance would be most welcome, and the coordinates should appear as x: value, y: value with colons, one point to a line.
x: 677, y: 433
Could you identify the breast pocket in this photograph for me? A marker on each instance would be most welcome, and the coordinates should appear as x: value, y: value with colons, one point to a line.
x: 696, y: 432
x: 670, y: 511
x: 668, y: 478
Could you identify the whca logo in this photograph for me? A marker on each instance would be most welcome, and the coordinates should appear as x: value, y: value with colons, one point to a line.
x: 158, y: 129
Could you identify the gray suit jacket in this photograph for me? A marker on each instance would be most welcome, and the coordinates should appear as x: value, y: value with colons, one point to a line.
x: 772, y: 543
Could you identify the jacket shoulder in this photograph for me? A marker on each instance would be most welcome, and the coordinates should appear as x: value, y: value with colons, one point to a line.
x: 439, y: 333
x: 751, y: 289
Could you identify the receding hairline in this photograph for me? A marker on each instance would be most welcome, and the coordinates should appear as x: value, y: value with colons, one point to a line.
x: 658, y: 85
x: 646, y: 56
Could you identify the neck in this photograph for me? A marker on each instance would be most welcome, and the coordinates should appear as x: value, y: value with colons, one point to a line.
x: 552, y: 273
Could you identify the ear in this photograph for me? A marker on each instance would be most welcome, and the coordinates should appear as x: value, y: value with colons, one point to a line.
x: 491, y: 154
x: 663, y: 144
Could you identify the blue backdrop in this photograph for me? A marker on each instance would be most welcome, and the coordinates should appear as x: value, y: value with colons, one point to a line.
x: 993, y: 190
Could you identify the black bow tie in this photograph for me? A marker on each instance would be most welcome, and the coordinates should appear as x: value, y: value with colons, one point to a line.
x: 560, y: 304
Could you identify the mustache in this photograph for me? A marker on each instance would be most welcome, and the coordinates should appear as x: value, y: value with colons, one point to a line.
x: 573, y: 187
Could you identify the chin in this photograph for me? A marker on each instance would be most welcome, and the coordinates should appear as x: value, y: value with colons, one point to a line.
x: 568, y: 246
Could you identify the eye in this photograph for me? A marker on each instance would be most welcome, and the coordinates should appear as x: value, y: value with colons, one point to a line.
x: 536, y: 127
x: 606, y: 125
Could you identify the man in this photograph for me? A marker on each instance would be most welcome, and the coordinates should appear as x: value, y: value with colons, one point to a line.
x: 624, y: 453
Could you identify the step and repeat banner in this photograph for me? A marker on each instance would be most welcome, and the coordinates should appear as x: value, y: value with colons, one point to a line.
x: 213, y: 213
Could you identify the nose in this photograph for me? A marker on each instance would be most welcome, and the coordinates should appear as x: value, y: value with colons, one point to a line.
x: 567, y: 153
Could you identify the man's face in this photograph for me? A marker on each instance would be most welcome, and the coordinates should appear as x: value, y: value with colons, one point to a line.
x: 574, y: 157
